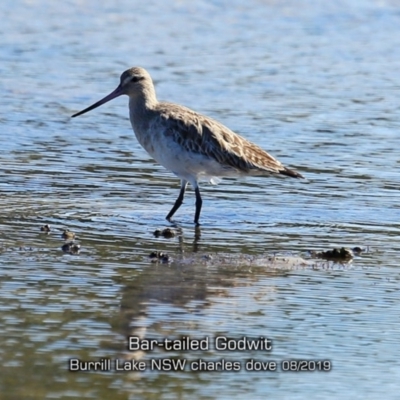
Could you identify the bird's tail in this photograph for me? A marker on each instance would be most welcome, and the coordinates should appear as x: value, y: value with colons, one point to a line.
x: 290, y: 172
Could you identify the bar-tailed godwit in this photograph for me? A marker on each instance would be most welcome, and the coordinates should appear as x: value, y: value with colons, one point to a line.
x: 187, y: 143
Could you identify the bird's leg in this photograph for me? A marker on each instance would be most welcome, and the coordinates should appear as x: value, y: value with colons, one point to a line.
x: 178, y: 201
x: 199, y: 203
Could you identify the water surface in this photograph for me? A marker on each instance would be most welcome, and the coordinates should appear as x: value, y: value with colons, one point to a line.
x: 315, y: 84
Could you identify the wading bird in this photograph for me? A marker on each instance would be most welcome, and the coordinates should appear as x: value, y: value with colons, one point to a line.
x: 187, y: 143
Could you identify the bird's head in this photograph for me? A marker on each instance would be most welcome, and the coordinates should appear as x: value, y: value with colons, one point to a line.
x: 133, y: 81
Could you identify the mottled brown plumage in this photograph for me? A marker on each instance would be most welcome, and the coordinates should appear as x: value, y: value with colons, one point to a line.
x: 187, y: 143
x: 203, y: 135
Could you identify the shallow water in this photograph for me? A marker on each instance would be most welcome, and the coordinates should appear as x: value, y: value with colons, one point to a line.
x: 316, y: 85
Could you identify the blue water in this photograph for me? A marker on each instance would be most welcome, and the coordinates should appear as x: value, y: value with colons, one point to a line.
x: 314, y: 83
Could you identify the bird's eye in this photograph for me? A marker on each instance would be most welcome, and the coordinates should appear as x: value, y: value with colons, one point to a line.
x: 136, y: 78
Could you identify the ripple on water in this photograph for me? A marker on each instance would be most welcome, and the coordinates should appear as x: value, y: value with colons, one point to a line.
x: 320, y: 94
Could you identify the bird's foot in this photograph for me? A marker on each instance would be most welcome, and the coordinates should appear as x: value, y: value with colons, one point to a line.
x: 173, y: 223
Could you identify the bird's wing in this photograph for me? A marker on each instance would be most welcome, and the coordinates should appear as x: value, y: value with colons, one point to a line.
x: 203, y: 135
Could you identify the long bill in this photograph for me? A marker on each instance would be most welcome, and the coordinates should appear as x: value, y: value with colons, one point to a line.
x: 117, y: 92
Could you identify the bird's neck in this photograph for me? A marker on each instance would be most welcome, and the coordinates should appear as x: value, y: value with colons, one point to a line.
x: 143, y: 100
x: 141, y: 107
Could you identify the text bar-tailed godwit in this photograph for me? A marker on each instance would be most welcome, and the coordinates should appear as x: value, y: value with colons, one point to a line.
x: 187, y: 143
